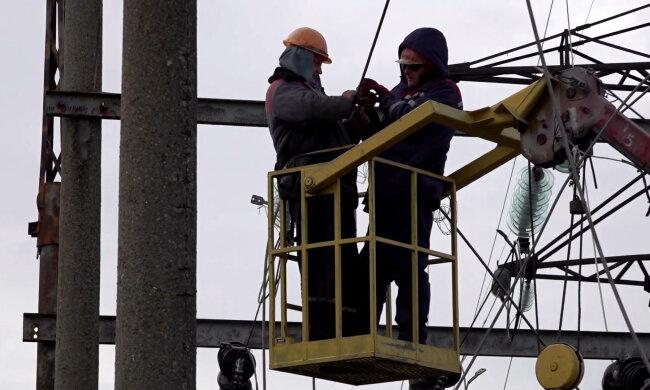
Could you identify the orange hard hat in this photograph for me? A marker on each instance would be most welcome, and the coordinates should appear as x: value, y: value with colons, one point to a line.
x: 309, y: 39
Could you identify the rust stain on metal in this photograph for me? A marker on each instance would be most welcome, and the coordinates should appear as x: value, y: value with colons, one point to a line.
x: 48, y: 203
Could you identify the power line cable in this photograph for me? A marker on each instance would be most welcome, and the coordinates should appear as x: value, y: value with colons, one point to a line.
x: 505, y: 383
x: 589, y: 12
x: 548, y: 19
x: 374, y: 41
x: 498, y: 282
x: 503, y: 206
x: 600, y: 288
x: 566, y: 273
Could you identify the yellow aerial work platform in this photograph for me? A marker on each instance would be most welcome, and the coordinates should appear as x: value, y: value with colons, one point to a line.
x: 378, y: 356
x: 367, y: 358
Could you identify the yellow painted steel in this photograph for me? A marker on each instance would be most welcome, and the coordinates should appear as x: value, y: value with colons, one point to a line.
x: 415, y: 307
x: 497, y: 123
x: 362, y: 359
x: 482, y: 165
x: 559, y: 366
x: 374, y: 358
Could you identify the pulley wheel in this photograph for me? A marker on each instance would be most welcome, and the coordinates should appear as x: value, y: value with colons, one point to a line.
x: 559, y: 366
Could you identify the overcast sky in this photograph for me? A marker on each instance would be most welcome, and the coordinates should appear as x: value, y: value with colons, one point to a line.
x: 238, y: 46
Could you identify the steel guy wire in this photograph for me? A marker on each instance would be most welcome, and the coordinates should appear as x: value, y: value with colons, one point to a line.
x: 548, y: 19
x: 621, y: 190
x: 496, y: 317
x: 487, y: 296
x: 598, y: 220
x: 475, y: 318
x: 623, y: 161
x: 505, y: 383
x: 647, y: 193
x: 480, y: 345
x: 513, y: 253
x: 566, y: 271
x: 487, y: 316
x: 580, y: 289
x: 589, y: 11
x: 569, y: 38
x: 499, y: 282
x: 536, y: 313
x: 487, y: 292
x: 505, y: 199
x: 600, y: 289
x: 627, y: 106
x: 574, y: 173
x: 636, y: 100
x: 260, y: 302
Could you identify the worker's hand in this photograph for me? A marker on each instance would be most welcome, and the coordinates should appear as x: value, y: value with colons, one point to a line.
x: 350, y: 95
x: 370, y: 86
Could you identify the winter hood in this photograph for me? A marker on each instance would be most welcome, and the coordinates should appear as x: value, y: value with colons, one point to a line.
x: 300, y: 61
x: 431, y: 44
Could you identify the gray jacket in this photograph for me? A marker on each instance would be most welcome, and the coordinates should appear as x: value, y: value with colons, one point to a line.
x: 302, y: 119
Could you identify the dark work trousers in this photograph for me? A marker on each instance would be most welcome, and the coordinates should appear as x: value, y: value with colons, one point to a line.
x: 321, y: 273
x: 393, y: 221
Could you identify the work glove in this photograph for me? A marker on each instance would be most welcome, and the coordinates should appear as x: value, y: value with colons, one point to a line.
x: 350, y: 95
x: 364, y: 121
x: 369, y: 87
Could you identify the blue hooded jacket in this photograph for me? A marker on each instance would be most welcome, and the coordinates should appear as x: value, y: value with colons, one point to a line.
x: 427, y: 148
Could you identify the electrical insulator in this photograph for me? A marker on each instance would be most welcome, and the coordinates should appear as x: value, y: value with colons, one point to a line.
x: 530, y: 198
x: 237, y: 366
x: 527, y: 296
x: 626, y: 374
x: 501, y: 283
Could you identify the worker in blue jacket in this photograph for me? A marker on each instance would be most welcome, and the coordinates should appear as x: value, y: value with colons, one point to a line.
x: 424, y: 76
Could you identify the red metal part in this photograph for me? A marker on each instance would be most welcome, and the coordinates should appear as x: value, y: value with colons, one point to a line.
x: 584, y: 112
x: 625, y: 136
x: 48, y: 250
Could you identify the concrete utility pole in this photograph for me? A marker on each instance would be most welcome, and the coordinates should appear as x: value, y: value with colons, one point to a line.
x: 77, y: 326
x: 156, y: 296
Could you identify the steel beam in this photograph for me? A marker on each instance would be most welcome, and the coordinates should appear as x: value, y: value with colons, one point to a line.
x: 212, y: 333
x: 592, y: 279
x: 229, y: 112
x: 585, y: 261
x: 463, y: 71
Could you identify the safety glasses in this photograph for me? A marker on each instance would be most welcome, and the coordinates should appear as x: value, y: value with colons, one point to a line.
x: 413, y: 67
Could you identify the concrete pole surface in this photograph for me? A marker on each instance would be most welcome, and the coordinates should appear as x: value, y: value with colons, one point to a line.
x: 156, y: 287
x: 77, y: 325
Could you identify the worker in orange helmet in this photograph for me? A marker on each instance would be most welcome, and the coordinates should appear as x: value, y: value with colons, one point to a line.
x: 304, y: 122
